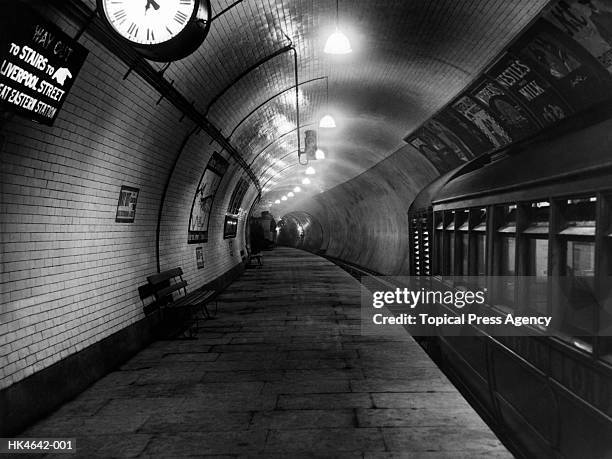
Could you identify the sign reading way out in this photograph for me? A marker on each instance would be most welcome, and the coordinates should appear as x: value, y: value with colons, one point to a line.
x: 38, y: 63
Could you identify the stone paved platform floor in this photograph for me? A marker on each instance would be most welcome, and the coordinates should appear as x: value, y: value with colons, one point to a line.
x: 283, y: 372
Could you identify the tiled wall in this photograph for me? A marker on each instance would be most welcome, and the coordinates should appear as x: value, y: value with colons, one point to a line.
x: 365, y: 220
x: 69, y: 273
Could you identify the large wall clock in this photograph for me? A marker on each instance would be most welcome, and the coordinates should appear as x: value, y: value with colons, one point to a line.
x: 161, y: 30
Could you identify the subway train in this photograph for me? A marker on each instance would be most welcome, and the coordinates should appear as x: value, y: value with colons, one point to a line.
x: 540, y: 209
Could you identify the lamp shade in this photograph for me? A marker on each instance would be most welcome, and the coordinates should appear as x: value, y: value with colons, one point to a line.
x: 310, y: 171
x: 337, y: 43
x: 327, y: 122
x: 319, y: 154
x: 306, y: 181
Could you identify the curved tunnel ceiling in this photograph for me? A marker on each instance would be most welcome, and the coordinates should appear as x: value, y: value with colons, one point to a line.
x: 409, y: 59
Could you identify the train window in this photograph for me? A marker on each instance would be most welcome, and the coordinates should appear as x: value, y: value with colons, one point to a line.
x: 577, y: 240
x: 537, y: 270
x: 463, y: 225
x: 439, y: 243
x: 479, y: 239
x: 505, y: 252
x: 449, y: 245
x: 536, y: 256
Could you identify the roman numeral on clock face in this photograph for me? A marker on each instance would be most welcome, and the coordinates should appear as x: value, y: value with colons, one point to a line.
x: 133, y: 29
x: 180, y: 17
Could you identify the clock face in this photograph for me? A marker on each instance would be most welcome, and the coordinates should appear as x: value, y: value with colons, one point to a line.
x: 149, y: 22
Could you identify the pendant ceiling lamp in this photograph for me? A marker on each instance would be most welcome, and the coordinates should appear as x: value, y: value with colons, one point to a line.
x: 337, y: 43
x: 328, y: 121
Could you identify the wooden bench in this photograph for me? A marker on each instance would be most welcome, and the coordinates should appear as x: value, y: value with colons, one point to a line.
x: 167, y: 291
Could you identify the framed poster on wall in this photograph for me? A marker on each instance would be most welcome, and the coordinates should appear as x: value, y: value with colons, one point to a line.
x: 230, y: 227
x: 126, y: 206
x: 203, y: 199
x: 200, y: 257
x: 237, y: 196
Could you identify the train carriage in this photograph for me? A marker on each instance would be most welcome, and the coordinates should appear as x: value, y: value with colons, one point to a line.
x: 540, y: 209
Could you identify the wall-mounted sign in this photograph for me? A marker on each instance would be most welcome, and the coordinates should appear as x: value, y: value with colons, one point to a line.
x: 199, y: 257
x: 230, y: 227
x: 126, y: 206
x: 237, y: 196
x: 39, y: 63
x: 204, y: 197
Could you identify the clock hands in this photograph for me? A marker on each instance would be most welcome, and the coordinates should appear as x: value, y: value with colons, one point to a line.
x: 151, y: 3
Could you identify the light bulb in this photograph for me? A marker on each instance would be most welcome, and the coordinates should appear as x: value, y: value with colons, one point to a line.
x: 297, y: 189
x: 306, y: 181
x: 277, y: 201
x: 310, y: 171
x: 319, y: 154
x: 337, y: 43
x: 328, y: 122
x: 284, y: 198
x: 290, y: 194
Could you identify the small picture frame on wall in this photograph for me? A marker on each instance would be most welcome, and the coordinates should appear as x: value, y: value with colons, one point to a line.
x: 200, y: 257
x: 230, y: 227
x: 126, y: 206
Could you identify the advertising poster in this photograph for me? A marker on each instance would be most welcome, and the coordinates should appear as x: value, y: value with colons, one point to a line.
x: 483, y: 120
x: 533, y: 91
x: 476, y: 141
x: 576, y: 74
x: 589, y: 22
x: 204, y: 197
x: 199, y: 257
x: 452, y: 142
x: 38, y: 64
x: 510, y: 114
x: 434, y: 150
x: 237, y: 196
x: 230, y: 227
x: 126, y: 205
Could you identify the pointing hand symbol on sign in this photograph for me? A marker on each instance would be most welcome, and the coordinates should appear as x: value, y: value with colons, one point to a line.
x: 61, y: 74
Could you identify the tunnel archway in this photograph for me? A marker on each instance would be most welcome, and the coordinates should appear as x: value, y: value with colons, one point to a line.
x: 301, y: 230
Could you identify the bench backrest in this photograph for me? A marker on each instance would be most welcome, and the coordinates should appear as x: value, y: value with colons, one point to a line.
x: 159, y: 289
x: 167, y: 275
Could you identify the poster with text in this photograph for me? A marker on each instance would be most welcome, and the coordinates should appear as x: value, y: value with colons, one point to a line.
x: 512, y: 116
x: 237, y: 196
x: 204, y: 197
x: 199, y: 257
x: 126, y: 205
x: 589, y: 22
x: 450, y: 139
x: 528, y: 87
x: 483, y: 120
x: 476, y: 141
x: 577, y: 75
x: 38, y: 63
x: 432, y: 149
